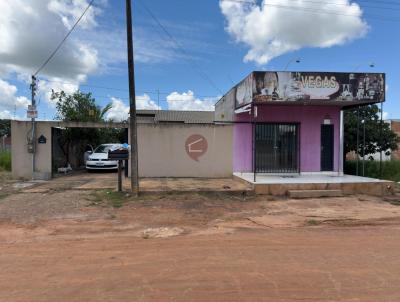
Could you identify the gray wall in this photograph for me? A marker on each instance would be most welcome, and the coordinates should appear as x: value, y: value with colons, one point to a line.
x: 162, y: 150
x: 21, y: 160
x: 225, y: 107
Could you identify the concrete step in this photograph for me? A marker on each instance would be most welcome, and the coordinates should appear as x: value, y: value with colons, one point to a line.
x: 314, y: 193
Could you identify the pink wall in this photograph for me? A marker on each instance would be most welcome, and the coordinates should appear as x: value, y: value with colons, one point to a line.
x: 242, y: 148
x: 310, y: 119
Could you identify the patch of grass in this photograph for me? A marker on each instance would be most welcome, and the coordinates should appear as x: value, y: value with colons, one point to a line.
x: 3, y: 195
x: 5, y: 160
x: 313, y: 222
x: 108, y: 198
x: 395, y: 202
x: 390, y: 169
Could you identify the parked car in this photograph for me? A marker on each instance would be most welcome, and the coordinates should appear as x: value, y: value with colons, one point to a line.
x: 98, y: 160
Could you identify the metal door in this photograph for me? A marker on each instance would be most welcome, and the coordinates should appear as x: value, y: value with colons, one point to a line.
x: 276, y: 148
x: 326, y: 147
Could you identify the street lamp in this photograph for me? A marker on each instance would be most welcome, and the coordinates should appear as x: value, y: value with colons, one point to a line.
x: 297, y: 60
x: 363, y: 162
x: 370, y: 64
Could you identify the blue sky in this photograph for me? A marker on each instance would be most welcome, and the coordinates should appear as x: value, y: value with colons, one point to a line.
x: 216, y: 49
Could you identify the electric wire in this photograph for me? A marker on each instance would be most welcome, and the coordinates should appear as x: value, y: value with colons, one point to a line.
x: 317, y: 11
x: 148, y: 91
x: 347, y: 4
x: 63, y: 40
x: 180, y: 47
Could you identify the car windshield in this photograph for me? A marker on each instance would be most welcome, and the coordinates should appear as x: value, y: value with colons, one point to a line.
x: 103, y: 148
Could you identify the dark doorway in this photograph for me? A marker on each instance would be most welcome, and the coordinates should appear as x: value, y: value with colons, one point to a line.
x: 276, y: 148
x: 326, y: 147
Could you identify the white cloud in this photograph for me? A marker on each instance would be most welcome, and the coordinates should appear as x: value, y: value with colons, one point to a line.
x: 9, y: 98
x: 385, y: 115
x: 277, y: 27
x: 188, y: 101
x: 56, y: 84
x: 175, y: 100
x: 145, y: 102
x: 6, y: 115
x: 70, y: 11
x: 30, y: 30
x: 120, y: 110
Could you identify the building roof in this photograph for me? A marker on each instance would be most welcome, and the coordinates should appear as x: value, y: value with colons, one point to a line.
x: 175, y: 116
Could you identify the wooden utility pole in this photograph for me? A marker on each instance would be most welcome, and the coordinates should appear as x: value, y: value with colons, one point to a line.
x: 132, y: 103
x: 33, y: 137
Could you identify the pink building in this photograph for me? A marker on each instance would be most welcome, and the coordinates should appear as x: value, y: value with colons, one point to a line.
x: 292, y: 122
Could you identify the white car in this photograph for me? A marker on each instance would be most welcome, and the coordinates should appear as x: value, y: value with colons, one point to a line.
x: 98, y: 160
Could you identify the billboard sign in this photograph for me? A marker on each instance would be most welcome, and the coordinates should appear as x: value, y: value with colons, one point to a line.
x: 312, y: 86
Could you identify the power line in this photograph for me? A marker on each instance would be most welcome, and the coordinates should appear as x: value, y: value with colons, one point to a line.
x: 346, y: 4
x: 64, y: 39
x: 149, y: 91
x: 325, y: 2
x: 317, y: 11
x: 178, y: 45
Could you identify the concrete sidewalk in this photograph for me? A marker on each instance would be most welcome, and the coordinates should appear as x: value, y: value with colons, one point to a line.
x: 108, y: 181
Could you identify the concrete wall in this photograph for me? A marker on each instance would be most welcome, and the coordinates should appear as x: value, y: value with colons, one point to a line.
x: 310, y: 119
x: 162, y: 151
x: 21, y: 159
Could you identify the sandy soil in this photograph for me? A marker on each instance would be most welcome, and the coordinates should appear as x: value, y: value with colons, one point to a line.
x: 61, y: 244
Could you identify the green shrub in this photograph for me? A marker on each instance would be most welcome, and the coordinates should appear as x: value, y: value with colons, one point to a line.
x: 5, y: 160
x: 390, y: 169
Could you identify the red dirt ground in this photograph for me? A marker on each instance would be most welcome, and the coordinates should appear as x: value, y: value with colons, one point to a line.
x: 306, y: 264
x: 61, y: 244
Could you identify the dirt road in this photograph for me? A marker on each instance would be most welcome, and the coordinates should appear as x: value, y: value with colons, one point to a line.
x: 307, y: 264
x: 60, y: 244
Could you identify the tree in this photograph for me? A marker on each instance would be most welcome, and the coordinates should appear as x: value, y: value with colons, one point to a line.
x: 81, y: 107
x: 5, y: 128
x: 376, y: 139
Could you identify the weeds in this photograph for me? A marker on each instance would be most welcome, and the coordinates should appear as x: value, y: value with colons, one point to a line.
x: 5, y: 160
x: 313, y: 222
x: 108, y: 198
x: 395, y: 202
x: 390, y: 169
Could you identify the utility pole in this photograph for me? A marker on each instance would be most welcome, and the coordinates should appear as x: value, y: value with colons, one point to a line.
x: 132, y: 103
x: 33, y: 138
x: 358, y: 139
x: 381, y: 141
x: 363, y: 161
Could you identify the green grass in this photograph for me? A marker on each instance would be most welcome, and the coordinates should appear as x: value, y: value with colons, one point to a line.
x: 108, y: 198
x: 313, y: 222
x: 5, y: 160
x: 390, y: 169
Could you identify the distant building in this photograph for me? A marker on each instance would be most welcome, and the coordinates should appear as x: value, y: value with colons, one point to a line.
x: 395, y: 126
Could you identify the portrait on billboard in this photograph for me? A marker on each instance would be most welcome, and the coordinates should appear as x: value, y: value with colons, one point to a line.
x: 328, y: 86
x: 244, y: 91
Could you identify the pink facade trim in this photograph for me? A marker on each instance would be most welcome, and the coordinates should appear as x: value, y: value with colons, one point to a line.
x: 309, y: 118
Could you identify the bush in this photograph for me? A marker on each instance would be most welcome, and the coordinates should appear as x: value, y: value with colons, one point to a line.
x: 5, y: 160
x: 390, y: 169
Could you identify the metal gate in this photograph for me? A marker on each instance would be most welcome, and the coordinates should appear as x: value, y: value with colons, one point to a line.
x: 276, y: 148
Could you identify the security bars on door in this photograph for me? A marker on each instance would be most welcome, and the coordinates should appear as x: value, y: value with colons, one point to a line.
x: 276, y: 148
